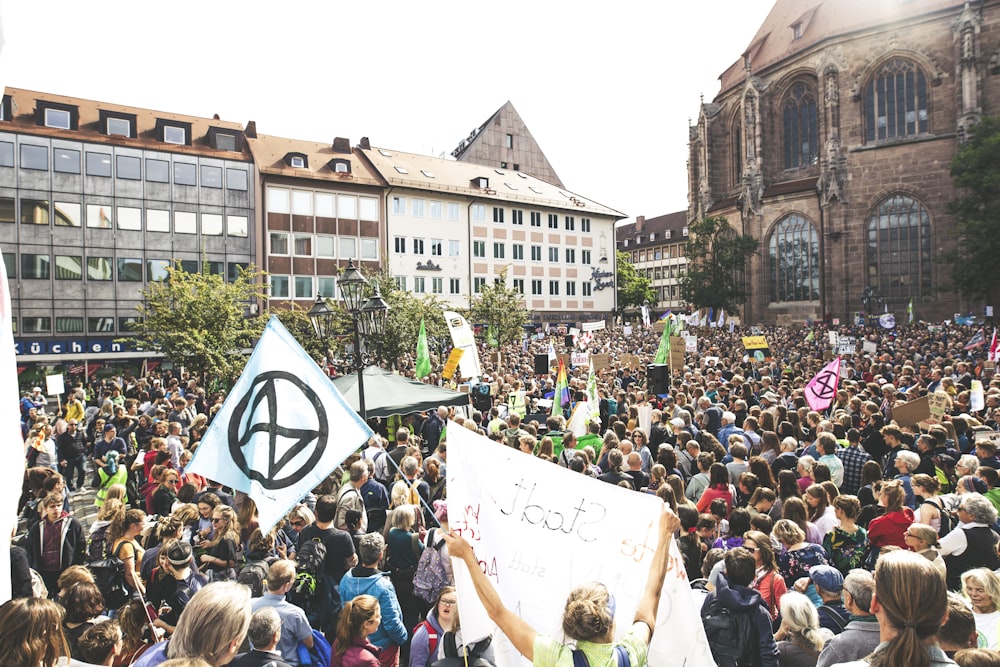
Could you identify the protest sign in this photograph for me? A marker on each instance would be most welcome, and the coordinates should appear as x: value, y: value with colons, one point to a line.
x: 580, y: 359
x: 627, y: 330
x: 911, y: 412
x: 600, y: 361
x: 539, y: 530
x: 630, y: 361
x: 847, y: 345
x: 938, y: 403
x: 869, y: 347
x: 593, y: 326
x: 451, y: 365
x: 645, y: 417
x: 678, y: 347
x: 54, y: 385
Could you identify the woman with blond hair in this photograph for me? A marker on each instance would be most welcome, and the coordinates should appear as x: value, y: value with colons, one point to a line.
x: 125, y: 527
x: 219, y: 559
x: 799, y: 638
x: 31, y: 633
x: 981, y: 587
x: 923, y: 539
x: 910, y: 603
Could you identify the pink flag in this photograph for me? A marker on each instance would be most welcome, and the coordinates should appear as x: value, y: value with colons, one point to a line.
x: 822, y: 389
x: 11, y: 460
x: 994, y: 350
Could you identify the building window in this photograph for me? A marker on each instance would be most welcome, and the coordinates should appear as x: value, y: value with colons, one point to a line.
x: 895, y: 101
x: 584, y: 224
x: 129, y: 218
x: 368, y: 209
x: 237, y: 226
x: 34, y: 157
x: 222, y: 141
x: 66, y: 214
x: 236, y: 179
x: 453, y: 211
x: 303, y: 245
x: 417, y: 208
x: 278, y: 243
x: 58, y: 118
x: 454, y: 286
x: 6, y: 154
x: 66, y: 160
x: 419, y: 284
x: 128, y: 167
x: 454, y: 248
x: 586, y: 289
x: 348, y: 247
x: 303, y: 287
x: 98, y: 164
x: 498, y: 251
x: 279, y: 287
x: 173, y: 134
x: 799, y: 116
x: 157, y: 171
x: 585, y: 257
x: 340, y: 166
x: 326, y: 287
x: 510, y: 141
x: 157, y: 220
x: 536, y: 219
x: 211, y: 177
x: 211, y: 223
x: 793, y: 253
x: 517, y: 217
x: 348, y: 207
x: 98, y: 268
x: 36, y: 324
x: 536, y: 253
x: 326, y: 246
x: 553, y: 221
x: 34, y: 212
x: 401, y: 282
x: 399, y: 205
x: 899, y: 249
x: 553, y: 254
x: 479, y: 212
x: 736, y: 153
x: 129, y: 270
x: 302, y: 202
x: 437, y: 247
x: 478, y: 284
x: 69, y: 267
x: 399, y: 243
x: 570, y: 256
x: 536, y: 287
x: 99, y: 324
x: 418, y: 246
x: 185, y: 174
x: 570, y: 288
x: 553, y: 288
x: 519, y: 285
x: 185, y: 222
x: 35, y: 266
x: 435, y: 210
x: 437, y: 285
x: 479, y: 248
x: 118, y: 126
x: 517, y: 251
x: 570, y: 223
x: 497, y: 214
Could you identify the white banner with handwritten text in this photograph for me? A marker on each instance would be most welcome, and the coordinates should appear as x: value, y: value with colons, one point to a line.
x: 538, y: 530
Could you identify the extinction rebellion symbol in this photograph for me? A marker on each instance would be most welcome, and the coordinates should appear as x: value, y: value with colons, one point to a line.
x: 254, y: 425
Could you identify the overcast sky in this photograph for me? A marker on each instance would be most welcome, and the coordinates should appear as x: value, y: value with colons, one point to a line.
x: 606, y: 88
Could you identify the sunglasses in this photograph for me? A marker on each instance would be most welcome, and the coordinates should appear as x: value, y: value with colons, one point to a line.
x: 171, y: 481
x: 218, y: 520
x: 298, y: 524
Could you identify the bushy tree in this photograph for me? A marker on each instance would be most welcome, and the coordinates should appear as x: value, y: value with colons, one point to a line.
x: 398, y: 347
x: 716, y: 264
x: 200, y: 321
x: 976, y: 172
x: 633, y: 288
x: 502, y: 310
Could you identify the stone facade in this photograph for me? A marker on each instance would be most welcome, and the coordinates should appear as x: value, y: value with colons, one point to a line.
x: 831, y: 144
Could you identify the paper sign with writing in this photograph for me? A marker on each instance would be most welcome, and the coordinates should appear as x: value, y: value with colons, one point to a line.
x: 938, y: 403
x: 54, y: 385
x: 691, y: 344
x: 832, y: 335
x: 452, y: 364
x: 869, y: 347
x: 847, y: 345
x: 630, y: 361
x: 600, y: 361
x: 593, y: 326
x: 580, y: 359
x: 627, y: 330
x: 754, y: 342
x: 539, y: 530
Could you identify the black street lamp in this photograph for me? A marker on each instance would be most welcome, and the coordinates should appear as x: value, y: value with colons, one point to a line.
x: 871, y: 301
x: 368, y: 317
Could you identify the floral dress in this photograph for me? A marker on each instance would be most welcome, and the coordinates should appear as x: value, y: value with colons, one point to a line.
x: 846, y: 550
x: 796, y: 564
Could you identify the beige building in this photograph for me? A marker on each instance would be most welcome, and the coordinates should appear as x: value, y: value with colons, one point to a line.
x: 655, y: 247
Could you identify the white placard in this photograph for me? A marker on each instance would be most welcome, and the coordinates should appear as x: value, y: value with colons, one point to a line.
x: 593, y: 326
x: 847, y: 345
x: 54, y: 385
x: 579, y: 359
x: 869, y: 347
x: 691, y: 344
x: 645, y: 417
x: 627, y: 330
x: 538, y: 530
x: 833, y: 337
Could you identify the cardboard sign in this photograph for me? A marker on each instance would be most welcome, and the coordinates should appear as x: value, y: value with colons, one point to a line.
x: 630, y: 361
x: 754, y: 343
x: 451, y: 365
x: 784, y: 320
x: 600, y: 361
x: 912, y: 412
x: 938, y: 403
x: 691, y: 344
x: 659, y: 326
x: 54, y: 385
x: 566, y: 359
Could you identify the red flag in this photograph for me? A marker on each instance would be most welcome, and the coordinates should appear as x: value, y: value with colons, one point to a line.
x: 994, y: 350
x: 977, y: 340
x: 822, y: 389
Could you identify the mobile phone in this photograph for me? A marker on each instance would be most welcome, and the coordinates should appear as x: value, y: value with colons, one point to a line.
x: 151, y: 611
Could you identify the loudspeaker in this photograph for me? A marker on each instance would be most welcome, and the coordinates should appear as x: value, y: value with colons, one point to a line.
x: 568, y: 341
x: 541, y: 364
x: 659, y: 378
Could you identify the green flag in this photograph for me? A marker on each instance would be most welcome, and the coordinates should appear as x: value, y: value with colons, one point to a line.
x: 663, y: 352
x: 423, y: 354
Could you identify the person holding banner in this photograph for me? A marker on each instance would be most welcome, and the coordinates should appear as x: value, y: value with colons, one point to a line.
x: 588, y: 617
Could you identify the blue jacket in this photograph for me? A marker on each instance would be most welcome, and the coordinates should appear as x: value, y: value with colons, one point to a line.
x: 366, y: 581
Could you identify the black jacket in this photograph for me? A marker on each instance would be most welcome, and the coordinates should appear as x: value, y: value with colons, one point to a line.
x: 742, y: 599
x: 74, y: 544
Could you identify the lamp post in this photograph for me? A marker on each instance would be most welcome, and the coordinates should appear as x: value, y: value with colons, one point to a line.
x: 322, y: 316
x: 871, y: 301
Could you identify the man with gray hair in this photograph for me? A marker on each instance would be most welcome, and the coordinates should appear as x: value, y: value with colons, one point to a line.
x: 264, y: 634
x: 349, y: 497
x: 280, y: 580
x: 861, y: 635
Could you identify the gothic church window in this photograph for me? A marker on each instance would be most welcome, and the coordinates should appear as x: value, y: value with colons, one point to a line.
x: 799, y: 117
x: 899, y: 248
x: 793, y: 256
x: 895, y: 101
x: 737, y: 149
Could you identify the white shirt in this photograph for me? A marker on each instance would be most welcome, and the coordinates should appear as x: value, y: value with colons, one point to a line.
x: 987, y: 629
x: 955, y: 542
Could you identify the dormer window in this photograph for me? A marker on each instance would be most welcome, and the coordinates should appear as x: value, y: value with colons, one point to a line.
x: 59, y: 116
x: 115, y: 124
x: 481, y: 182
x: 223, y: 140
x: 173, y: 132
x: 685, y: 231
x: 5, y: 108
x: 652, y: 237
x: 297, y: 160
x: 797, y: 31
x: 340, y: 166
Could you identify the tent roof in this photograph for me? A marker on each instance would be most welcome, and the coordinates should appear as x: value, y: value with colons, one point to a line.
x: 389, y: 394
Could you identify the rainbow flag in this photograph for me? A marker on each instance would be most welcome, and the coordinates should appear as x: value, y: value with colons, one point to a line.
x: 561, y: 398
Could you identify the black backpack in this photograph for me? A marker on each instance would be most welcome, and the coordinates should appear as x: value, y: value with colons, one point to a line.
x: 253, y: 575
x: 452, y: 657
x: 309, y: 572
x: 731, y: 636
x: 946, y: 518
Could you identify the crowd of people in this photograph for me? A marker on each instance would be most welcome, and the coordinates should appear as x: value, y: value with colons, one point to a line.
x: 809, y: 537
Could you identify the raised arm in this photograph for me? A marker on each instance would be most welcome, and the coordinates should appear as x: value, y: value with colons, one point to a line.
x: 645, y: 612
x: 517, y: 630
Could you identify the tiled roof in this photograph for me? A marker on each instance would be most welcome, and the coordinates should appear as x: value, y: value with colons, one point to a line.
x: 270, y: 154
x: 674, y: 222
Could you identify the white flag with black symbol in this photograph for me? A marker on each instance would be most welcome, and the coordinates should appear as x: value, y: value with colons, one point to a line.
x: 282, y: 430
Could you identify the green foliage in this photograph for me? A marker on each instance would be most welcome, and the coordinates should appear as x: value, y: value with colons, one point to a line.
x: 399, y: 345
x: 502, y: 308
x: 297, y: 321
x: 633, y: 288
x: 717, y: 258
x: 197, y: 320
x: 976, y: 172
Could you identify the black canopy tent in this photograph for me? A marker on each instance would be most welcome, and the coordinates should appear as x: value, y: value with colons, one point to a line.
x: 389, y: 394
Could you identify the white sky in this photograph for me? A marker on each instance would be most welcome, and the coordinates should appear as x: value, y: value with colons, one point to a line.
x: 606, y: 88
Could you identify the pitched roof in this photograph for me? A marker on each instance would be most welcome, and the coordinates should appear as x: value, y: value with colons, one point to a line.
x: 450, y: 176
x: 818, y: 21
x: 660, y: 225
x: 270, y: 154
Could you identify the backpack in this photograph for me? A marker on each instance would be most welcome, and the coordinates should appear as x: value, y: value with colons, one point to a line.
x: 621, y: 657
x: 98, y: 546
x: 946, y: 519
x: 730, y: 635
x: 944, y: 471
x: 432, y: 636
x: 253, y: 575
x: 109, y: 576
x: 309, y: 572
x: 473, y: 653
x: 433, y: 571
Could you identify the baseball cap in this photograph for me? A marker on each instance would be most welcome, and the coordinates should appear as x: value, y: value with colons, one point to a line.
x: 828, y: 578
x: 109, y: 427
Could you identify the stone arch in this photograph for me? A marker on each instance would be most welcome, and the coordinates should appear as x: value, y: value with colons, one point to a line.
x: 792, y: 266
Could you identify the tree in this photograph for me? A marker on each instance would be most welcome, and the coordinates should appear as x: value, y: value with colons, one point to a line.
x: 399, y: 345
x: 199, y: 320
x: 501, y: 309
x: 976, y: 172
x: 633, y: 288
x: 296, y: 320
x: 716, y: 262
